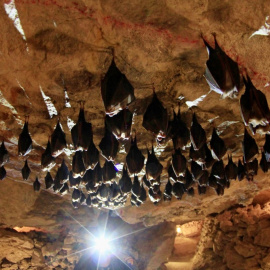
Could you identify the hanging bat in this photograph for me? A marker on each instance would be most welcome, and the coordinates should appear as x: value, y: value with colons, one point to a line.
x: 179, y: 163
x: 135, y: 158
x: 81, y: 133
x: 64, y: 190
x: 154, y: 197
x: 254, y: 107
x: 75, y: 205
x: 47, y: 160
x: 190, y: 192
x: 218, y: 170
x: 108, y: 172
x: 109, y: 145
x: 73, y: 182
x: 120, y: 124
x: 25, y: 171
x: 178, y: 190
x: 89, y: 182
x: 97, y: 175
x: 197, y: 134
x: 250, y: 148
x: 266, y: 147
x: 136, y: 188
x: 212, y: 181
x: 196, y: 170
x: 231, y: 169
x: 62, y: 174
x: 222, y: 73
x: 217, y: 145
x: 76, y: 195
x: 189, y: 180
x: 25, y: 141
x: 220, y: 190
x: 103, y: 192
x: 155, y: 118
x: 199, y: 155
x: 88, y: 201
x: 125, y: 182
x: 36, y: 185
x: 209, y: 160
x: 143, y: 196
x: 58, y: 140
x: 263, y: 163
x: 167, y: 194
x: 91, y: 156
x: 240, y: 171
x: 117, y: 92
x: 82, y: 199
x: 78, y: 168
x: 4, y: 156
x: 3, y: 173
x: 251, y: 169
x: 178, y: 131
x: 146, y: 182
x: 203, y: 180
x: 153, y: 167
x: 48, y: 181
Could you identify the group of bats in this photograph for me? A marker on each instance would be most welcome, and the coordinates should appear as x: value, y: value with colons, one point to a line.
x: 192, y: 163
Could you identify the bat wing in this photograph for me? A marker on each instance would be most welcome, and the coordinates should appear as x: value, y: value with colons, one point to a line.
x: 4, y: 156
x: 78, y: 168
x: 91, y: 156
x: 26, y: 171
x: 25, y: 141
x: 108, y: 172
x: 179, y: 163
x: 250, y: 148
x: 217, y: 145
x: 47, y: 160
x: 197, y: 134
x: 48, y: 181
x: 58, y: 140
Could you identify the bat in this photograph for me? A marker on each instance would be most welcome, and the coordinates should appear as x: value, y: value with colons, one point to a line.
x: 222, y: 73
x: 103, y: 192
x: 266, y: 147
x: 153, y: 167
x: 199, y: 155
x: 58, y: 140
x: 36, y: 185
x: 62, y: 174
x: 82, y: 199
x: 179, y: 163
x: 91, y: 156
x: 196, y: 170
x: 263, y: 163
x: 73, y: 182
x: 202, y: 189
x: 203, y: 180
x: 155, y: 118
x: 3, y: 173
x: 78, y: 168
x: 26, y: 171
x: 178, y: 190
x: 48, y: 181
x: 189, y: 180
x: 116, y: 91
x: 217, y: 145
x: 251, y: 169
x: 64, y: 190
x: 75, y: 205
x: 218, y: 170
x: 230, y: 169
x: 136, y: 188
x: 4, y: 156
x: 125, y: 182
x: 97, y: 175
x: 220, y: 190
x: 197, y: 134
x: 47, y: 160
x: 154, y: 197
x: 178, y: 131
x: 167, y: 194
x: 108, y: 172
x: 135, y: 158
x: 109, y: 145
x: 143, y: 195
x: 146, y: 182
x: 25, y: 141
x: 250, y: 148
x: 190, y: 192
x: 81, y: 133
x: 240, y: 171
x: 120, y: 124
x: 212, y: 181
x: 254, y: 107
x: 76, y: 195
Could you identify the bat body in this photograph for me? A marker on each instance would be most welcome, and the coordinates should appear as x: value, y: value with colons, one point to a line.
x: 3, y: 173
x: 48, y: 181
x: 155, y: 118
x: 58, y: 140
x: 197, y: 134
x: 108, y: 172
x: 135, y: 158
x: 125, y: 182
x: 218, y: 169
x: 136, y: 187
x: 81, y: 133
x: 196, y: 170
x: 62, y: 174
x: 230, y: 169
x: 120, y: 124
x: 4, y: 156
x: 250, y: 148
x: 26, y: 171
x: 78, y: 168
x: 91, y: 156
x: 117, y: 92
x: 266, y: 147
x: 178, y: 190
x: 179, y: 163
x: 167, y: 195
x: 199, y: 155
x: 222, y: 73
x: 217, y: 145
x: 263, y: 163
x: 240, y: 171
x: 153, y: 167
x: 47, y: 160
x: 25, y: 141
x: 36, y: 185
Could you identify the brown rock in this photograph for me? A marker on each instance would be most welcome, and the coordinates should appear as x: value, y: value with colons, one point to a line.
x: 263, y: 238
x: 245, y: 249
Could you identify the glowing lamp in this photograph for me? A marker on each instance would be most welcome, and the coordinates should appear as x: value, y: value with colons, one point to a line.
x: 102, y: 244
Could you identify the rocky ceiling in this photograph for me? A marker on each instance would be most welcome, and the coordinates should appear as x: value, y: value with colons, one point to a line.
x: 46, y: 46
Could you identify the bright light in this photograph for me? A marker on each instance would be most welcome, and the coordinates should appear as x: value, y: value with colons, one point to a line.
x: 102, y: 244
x: 178, y: 229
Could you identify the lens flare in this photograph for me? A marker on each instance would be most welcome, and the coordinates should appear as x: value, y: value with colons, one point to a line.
x: 102, y: 244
